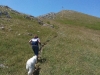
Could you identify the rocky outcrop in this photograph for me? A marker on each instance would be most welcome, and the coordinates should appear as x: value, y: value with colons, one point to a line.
x: 48, y: 16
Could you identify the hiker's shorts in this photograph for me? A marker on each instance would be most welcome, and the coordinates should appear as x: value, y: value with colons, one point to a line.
x: 35, y: 49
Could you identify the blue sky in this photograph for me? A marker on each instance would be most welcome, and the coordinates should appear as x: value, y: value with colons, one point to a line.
x: 41, y: 7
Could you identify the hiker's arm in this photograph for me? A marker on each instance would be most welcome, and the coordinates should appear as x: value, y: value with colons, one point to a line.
x: 30, y: 42
x: 39, y: 41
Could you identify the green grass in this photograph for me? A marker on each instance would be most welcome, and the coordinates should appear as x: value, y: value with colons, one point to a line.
x: 72, y: 54
x: 73, y: 47
x: 14, y: 46
x: 82, y: 23
x: 73, y: 18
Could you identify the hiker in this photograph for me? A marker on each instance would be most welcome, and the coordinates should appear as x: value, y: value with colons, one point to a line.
x: 35, y: 43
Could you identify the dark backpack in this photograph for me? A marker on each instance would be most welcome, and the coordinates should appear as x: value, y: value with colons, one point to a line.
x: 34, y: 42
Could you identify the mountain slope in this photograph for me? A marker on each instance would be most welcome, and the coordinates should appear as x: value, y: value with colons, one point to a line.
x: 69, y: 17
x: 71, y: 43
x: 15, y: 32
x: 75, y: 51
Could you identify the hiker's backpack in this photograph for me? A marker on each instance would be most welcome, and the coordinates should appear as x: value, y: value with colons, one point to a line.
x: 34, y: 41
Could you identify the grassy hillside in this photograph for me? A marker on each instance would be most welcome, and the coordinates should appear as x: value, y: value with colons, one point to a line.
x: 15, y: 32
x: 72, y: 45
x: 76, y: 50
x: 73, y: 18
x: 73, y: 52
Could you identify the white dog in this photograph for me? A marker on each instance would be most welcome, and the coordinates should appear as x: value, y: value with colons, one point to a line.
x: 30, y: 65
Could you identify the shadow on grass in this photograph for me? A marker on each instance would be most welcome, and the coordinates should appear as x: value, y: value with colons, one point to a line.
x: 42, y: 60
x: 37, y: 71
